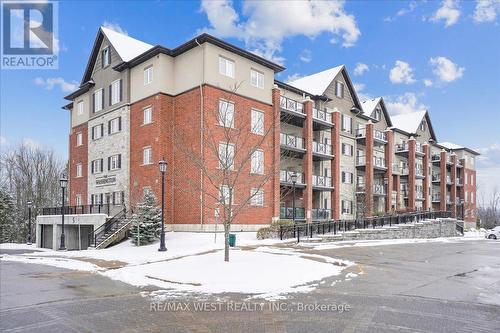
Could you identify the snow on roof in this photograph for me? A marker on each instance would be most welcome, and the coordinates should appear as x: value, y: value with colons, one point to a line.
x: 450, y: 145
x: 127, y: 47
x: 370, y: 105
x: 408, y: 122
x: 317, y: 83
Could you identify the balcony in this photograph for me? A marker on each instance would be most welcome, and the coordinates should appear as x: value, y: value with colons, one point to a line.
x: 360, y: 161
x: 292, y: 142
x: 396, y: 169
x: 436, y: 178
x: 286, y: 178
x: 321, y: 214
x: 460, y: 164
x: 419, y: 173
x: 448, y: 160
x: 436, y: 198
x: 322, y: 151
x: 436, y: 159
x: 292, y: 112
x: 321, y: 120
x: 419, y: 149
x: 379, y: 163
x: 449, y: 181
x: 378, y: 136
x: 459, y: 182
x: 287, y: 213
x: 322, y: 182
x: 360, y: 188
x: 448, y: 200
x: 405, y: 172
x: 419, y: 195
x: 402, y: 149
x: 378, y: 190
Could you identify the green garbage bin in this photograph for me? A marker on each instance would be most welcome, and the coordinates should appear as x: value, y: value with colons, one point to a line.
x: 232, y: 240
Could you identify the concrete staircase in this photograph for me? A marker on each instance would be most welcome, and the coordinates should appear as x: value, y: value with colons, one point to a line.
x: 446, y: 227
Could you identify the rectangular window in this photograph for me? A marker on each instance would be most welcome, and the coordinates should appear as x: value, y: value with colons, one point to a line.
x: 116, y: 92
x: 78, y: 199
x: 257, y: 162
x: 147, y: 156
x: 346, y: 124
x: 346, y: 207
x: 115, y: 162
x: 115, y: 125
x: 79, y: 108
x: 118, y: 197
x: 347, y: 149
x: 226, y: 113
x: 97, y: 166
x: 339, y: 89
x: 224, y: 192
x: 79, y: 139
x: 96, y: 199
x: 347, y: 177
x: 106, y: 57
x: 226, y: 67
x: 148, y: 75
x: 257, y: 197
x: 148, y: 115
x: 79, y: 170
x: 98, y: 99
x: 257, y: 122
x: 226, y: 156
x: 256, y: 79
x: 97, y: 131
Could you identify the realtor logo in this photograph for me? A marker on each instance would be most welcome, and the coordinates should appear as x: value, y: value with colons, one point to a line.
x: 29, y: 35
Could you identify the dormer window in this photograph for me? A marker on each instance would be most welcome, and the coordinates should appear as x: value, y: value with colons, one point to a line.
x: 339, y: 89
x: 377, y: 115
x: 106, y: 57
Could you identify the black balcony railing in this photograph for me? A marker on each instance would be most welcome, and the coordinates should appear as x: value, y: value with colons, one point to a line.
x: 287, y: 213
x: 108, y: 209
x: 301, y: 229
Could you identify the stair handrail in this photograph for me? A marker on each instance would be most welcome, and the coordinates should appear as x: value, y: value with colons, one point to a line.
x: 108, y: 225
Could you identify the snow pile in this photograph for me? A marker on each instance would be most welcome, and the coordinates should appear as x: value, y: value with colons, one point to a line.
x: 252, y: 272
x: 56, y: 262
x: 20, y: 246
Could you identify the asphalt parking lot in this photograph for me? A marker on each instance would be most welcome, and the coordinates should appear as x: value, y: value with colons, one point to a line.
x: 428, y: 287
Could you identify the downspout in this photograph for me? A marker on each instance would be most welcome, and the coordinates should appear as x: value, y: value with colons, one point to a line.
x: 202, y: 150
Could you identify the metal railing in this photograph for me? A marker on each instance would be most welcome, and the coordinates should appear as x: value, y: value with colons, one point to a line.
x: 401, y: 147
x: 291, y: 105
x: 321, y: 181
x: 321, y: 214
x: 360, y: 160
x: 291, y: 141
x: 287, y: 213
x: 436, y: 197
x: 108, y: 209
x: 436, y: 177
x: 96, y: 237
x: 379, y: 189
x: 378, y: 135
x: 322, y: 115
x: 379, y: 162
x: 396, y: 168
x: 436, y: 158
x: 322, y: 148
x: 301, y: 229
x: 360, y: 132
x: 285, y: 176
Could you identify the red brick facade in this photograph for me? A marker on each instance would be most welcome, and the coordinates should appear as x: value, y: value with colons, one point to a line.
x: 78, y: 155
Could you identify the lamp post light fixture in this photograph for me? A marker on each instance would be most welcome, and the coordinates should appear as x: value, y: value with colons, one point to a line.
x: 64, y: 183
x: 163, y: 169
x: 30, y: 205
x: 293, y: 178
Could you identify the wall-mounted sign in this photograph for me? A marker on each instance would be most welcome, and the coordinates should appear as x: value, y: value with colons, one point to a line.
x: 105, y: 180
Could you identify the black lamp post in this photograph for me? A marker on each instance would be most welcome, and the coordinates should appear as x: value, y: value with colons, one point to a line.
x: 386, y: 189
x: 163, y: 170
x: 293, y: 178
x: 64, y: 183
x: 30, y: 205
x: 462, y: 204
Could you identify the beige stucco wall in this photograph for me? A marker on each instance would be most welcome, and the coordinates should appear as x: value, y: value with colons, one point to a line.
x: 163, y: 78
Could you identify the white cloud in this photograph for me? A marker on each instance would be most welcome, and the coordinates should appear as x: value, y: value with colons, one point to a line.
x: 360, y: 91
x: 31, y: 143
x: 428, y: 82
x: 490, y: 156
x: 115, y: 27
x: 306, y: 55
x: 445, y: 69
x: 265, y: 24
x: 488, y: 169
x: 361, y: 68
x: 52, y: 82
x: 448, y: 12
x: 406, y: 103
x: 403, y: 11
x: 3, y: 141
x: 401, y: 73
x: 293, y: 77
x: 486, y: 10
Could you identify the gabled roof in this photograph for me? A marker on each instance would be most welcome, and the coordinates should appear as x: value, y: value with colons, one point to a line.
x: 369, y: 106
x: 409, y: 122
x: 127, y: 47
x: 453, y: 146
x: 317, y: 83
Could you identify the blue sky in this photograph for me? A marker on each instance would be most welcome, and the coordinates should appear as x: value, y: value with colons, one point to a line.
x: 441, y: 56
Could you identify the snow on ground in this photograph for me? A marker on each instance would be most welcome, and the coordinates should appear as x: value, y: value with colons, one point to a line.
x: 474, y: 234
x: 20, y: 246
x: 178, y: 244
x: 253, y: 272
x: 56, y: 262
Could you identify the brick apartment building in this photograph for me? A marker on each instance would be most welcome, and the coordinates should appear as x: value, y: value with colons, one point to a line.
x: 139, y: 103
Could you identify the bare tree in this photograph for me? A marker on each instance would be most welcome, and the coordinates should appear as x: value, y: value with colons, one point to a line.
x: 488, y: 209
x: 30, y: 173
x: 229, y: 158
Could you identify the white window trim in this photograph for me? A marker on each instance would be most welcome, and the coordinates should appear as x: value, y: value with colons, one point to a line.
x: 117, y: 120
x: 78, y: 199
x: 150, y: 108
x: 115, y: 92
x: 221, y: 193
x: 98, y: 106
x: 337, y: 84
x: 253, y: 127
x: 226, y: 61
x: 79, y: 170
x: 231, y: 167
x: 80, y: 108
x: 150, y: 156
x: 148, y: 75
x: 116, y: 163
x: 255, y: 193
x: 261, y: 167
x: 222, y: 120
x: 79, y: 139
x: 258, y: 74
